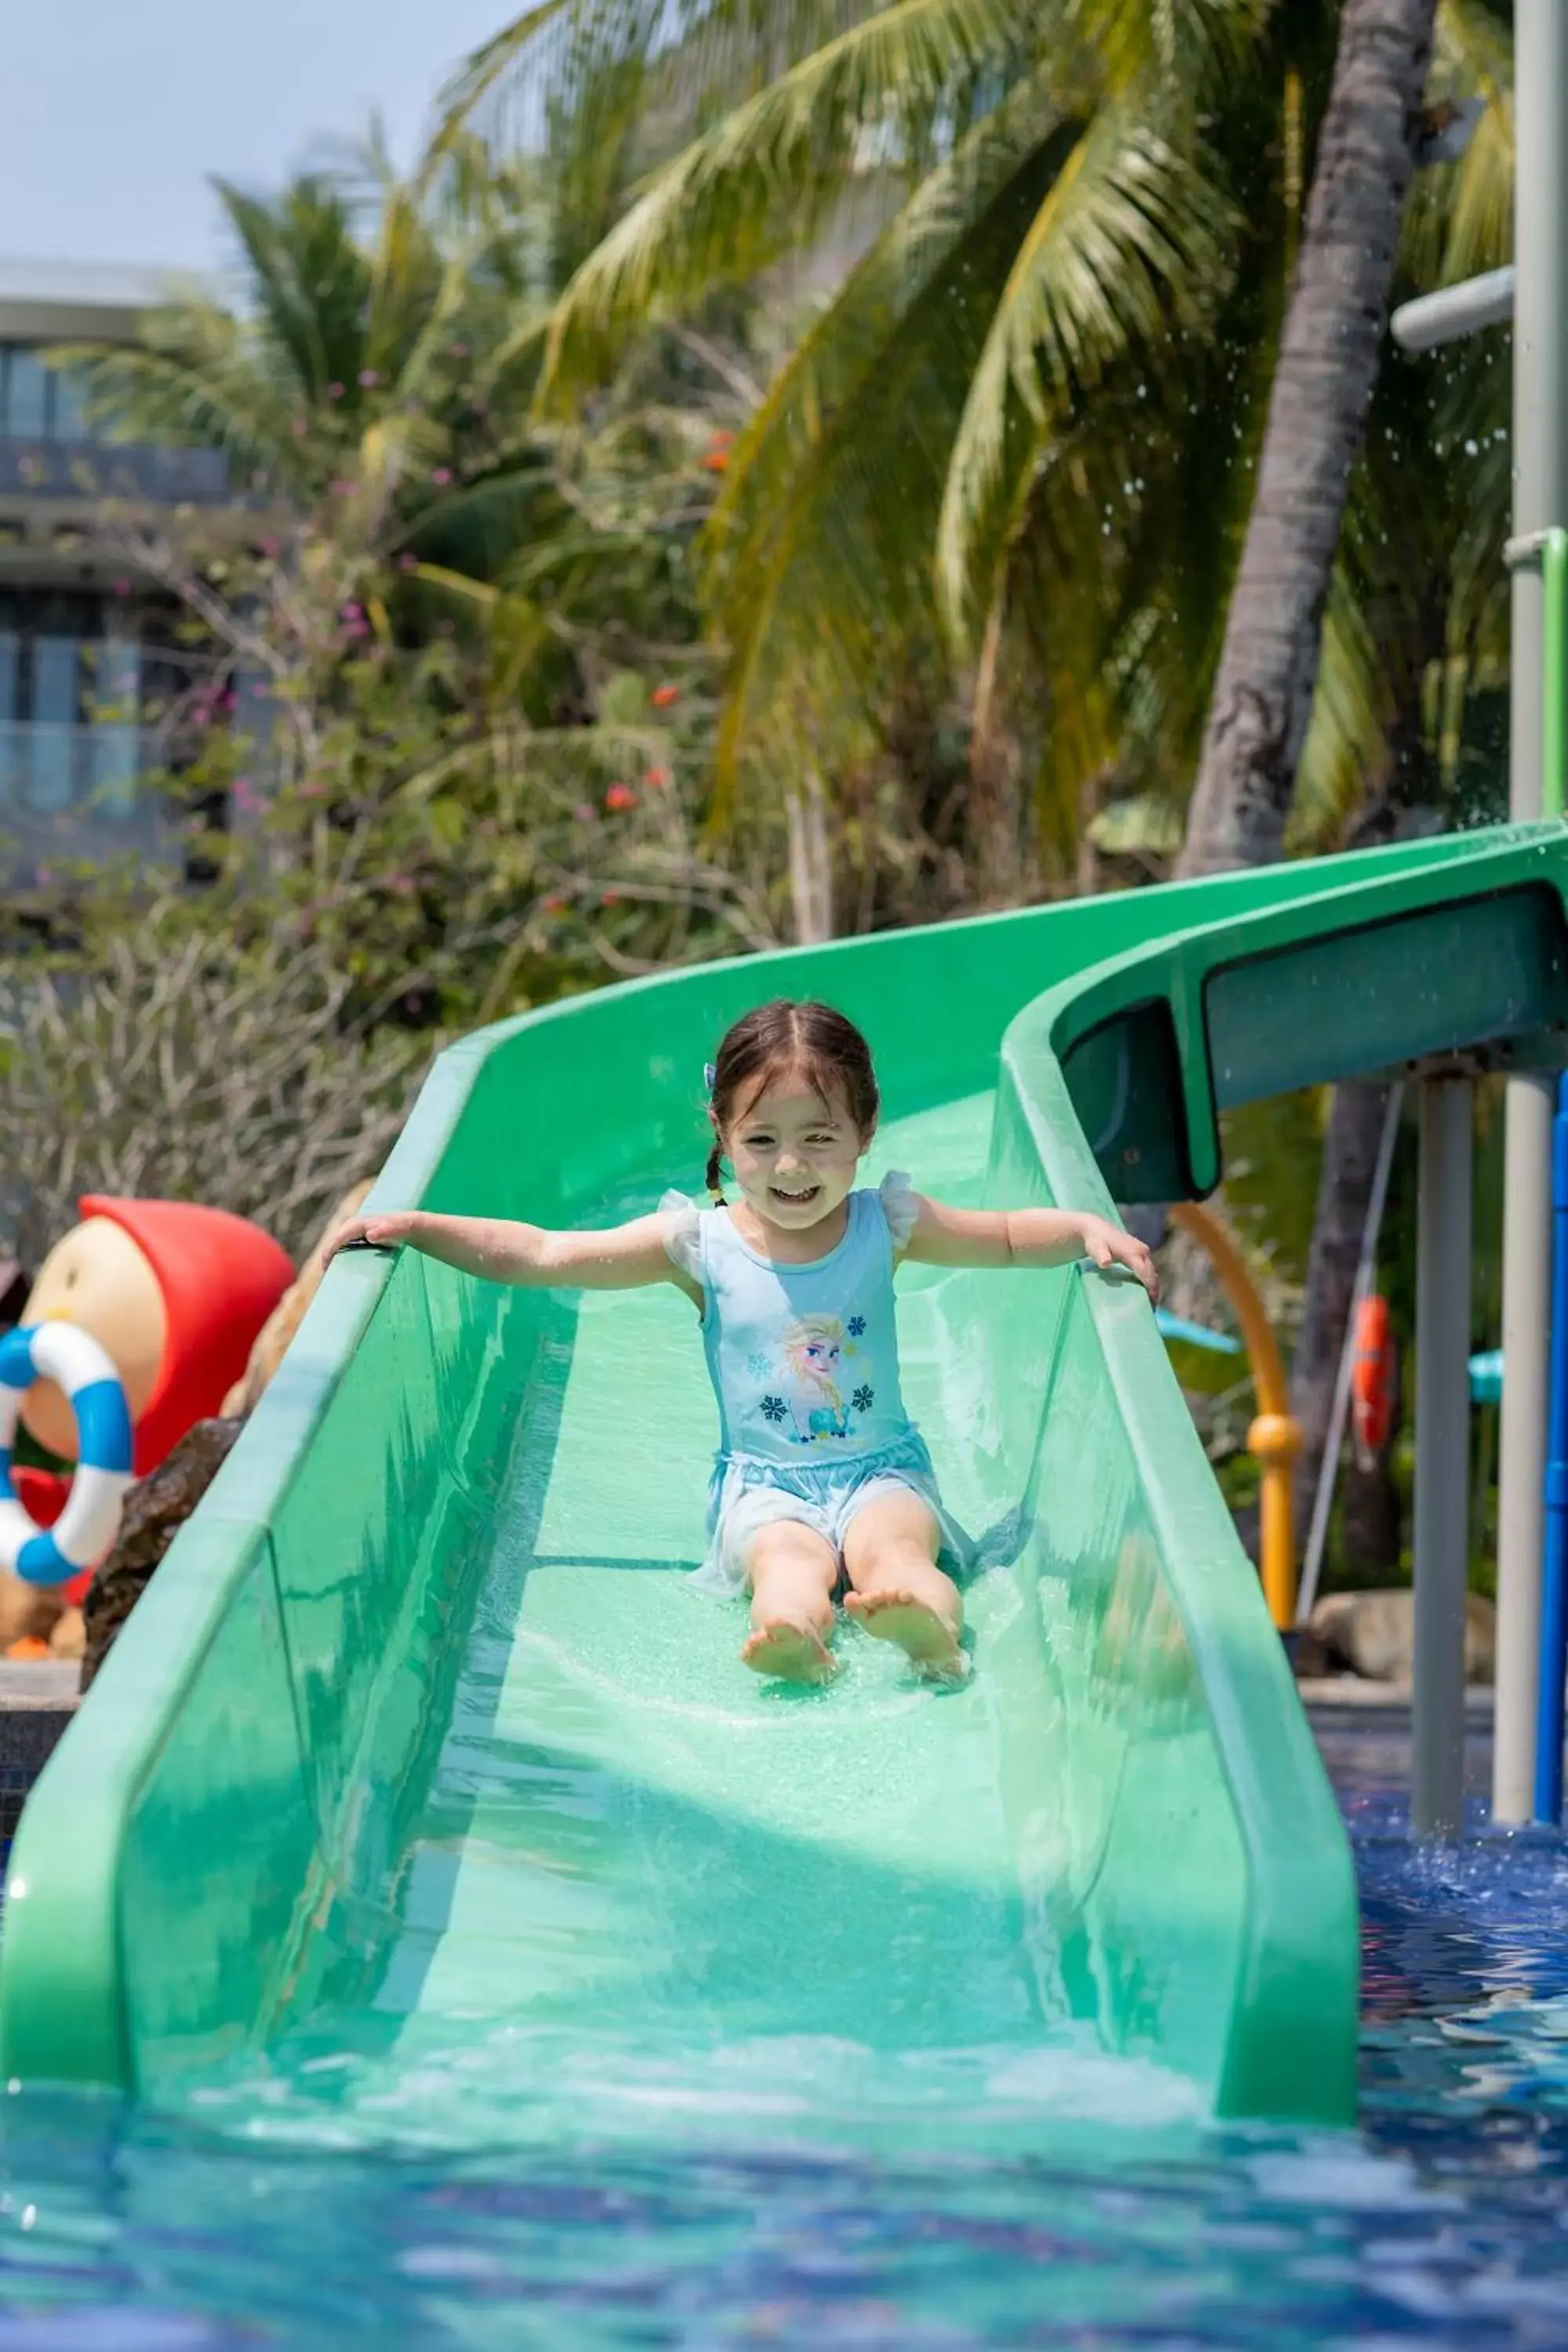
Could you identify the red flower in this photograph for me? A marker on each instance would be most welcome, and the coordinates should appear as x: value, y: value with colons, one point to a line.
x: 553, y: 906
x: 663, y: 696
x: 609, y: 897
x: 620, y: 797
x: 658, y: 778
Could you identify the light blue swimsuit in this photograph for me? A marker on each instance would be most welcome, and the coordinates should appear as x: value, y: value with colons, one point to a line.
x: 804, y: 1365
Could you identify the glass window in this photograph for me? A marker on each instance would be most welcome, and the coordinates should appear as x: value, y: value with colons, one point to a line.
x: 55, y: 681
x: 116, y: 758
x: 11, y: 734
x: 69, y: 422
x: 26, y: 393
x: 113, y: 678
x: 52, y: 737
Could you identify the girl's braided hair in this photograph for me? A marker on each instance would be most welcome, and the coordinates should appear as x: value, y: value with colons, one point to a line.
x: 781, y: 1039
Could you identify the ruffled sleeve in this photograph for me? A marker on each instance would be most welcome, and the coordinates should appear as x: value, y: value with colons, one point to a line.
x: 901, y: 1206
x: 683, y: 1234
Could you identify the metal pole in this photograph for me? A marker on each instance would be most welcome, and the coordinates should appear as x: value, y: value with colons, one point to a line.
x: 1554, y: 1558
x: 1540, y: 501
x: 1455, y: 311
x: 1555, y: 683
x: 1442, y: 1457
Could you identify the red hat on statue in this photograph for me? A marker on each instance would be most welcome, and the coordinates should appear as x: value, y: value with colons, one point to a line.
x: 220, y: 1276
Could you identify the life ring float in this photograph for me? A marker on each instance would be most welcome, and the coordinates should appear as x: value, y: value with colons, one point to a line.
x: 1374, y: 1379
x: 90, y: 1519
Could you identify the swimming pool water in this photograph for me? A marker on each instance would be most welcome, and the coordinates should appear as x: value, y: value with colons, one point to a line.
x: 1088, y: 2213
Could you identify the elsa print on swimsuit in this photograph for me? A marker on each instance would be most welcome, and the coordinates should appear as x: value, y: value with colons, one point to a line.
x: 806, y: 1384
x: 813, y: 1350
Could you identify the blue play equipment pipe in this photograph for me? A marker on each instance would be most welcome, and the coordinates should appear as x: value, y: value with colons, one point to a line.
x: 1554, y: 1563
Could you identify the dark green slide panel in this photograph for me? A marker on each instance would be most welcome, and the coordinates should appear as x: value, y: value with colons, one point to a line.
x: 421, y: 1738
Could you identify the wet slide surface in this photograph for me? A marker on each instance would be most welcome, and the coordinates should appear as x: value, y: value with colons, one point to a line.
x: 653, y: 1896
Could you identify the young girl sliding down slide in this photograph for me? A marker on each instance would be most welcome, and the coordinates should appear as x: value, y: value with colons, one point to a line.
x: 822, y: 1485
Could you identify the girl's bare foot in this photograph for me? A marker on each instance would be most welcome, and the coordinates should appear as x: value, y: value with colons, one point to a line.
x: 927, y: 1640
x: 792, y: 1653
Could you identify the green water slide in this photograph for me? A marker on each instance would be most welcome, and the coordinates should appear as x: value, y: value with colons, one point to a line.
x: 423, y: 1773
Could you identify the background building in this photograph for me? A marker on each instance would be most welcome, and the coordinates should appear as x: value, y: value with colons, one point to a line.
x: 89, y: 658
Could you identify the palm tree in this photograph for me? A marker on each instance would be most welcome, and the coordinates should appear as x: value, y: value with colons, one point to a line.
x: 1047, y: 238
x: 377, y: 386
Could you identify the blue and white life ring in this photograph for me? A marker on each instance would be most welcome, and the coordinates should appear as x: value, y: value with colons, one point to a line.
x: 90, y: 1520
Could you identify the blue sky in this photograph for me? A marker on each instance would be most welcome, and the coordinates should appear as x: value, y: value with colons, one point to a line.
x: 116, y: 115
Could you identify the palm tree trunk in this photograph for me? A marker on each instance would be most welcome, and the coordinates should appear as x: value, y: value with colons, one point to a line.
x: 1328, y: 362
x: 810, y: 861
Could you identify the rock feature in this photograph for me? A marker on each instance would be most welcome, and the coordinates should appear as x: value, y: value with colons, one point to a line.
x: 156, y: 1509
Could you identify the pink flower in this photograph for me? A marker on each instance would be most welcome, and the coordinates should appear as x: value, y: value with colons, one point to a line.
x: 351, y: 612
x: 407, y: 563
x: 267, y: 546
x: 404, y: 885
x: 244, y: 795
x: 335, y: 392
x: 200, y: 715
x: 585, y: 812
x: 312, y: 791
x: 619, y: 798
x: 299, y: 427
x: 609, y: 897
x: 368, y: 377
x: 553, y: 905
x: 658, y: 778
x: 442, y: 474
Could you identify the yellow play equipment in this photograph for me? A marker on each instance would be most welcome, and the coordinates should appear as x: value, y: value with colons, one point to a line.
x: 1274, y: 1437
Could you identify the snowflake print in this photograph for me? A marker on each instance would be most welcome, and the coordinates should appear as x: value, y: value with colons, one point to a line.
x: 856, y: 1326
x: 758, y: 1365
x: 864, y: 1399
x: 773, y: 1409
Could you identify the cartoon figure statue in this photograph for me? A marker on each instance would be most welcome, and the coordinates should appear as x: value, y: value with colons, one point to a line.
x: 811, y: 1349
x: 175, y: 1294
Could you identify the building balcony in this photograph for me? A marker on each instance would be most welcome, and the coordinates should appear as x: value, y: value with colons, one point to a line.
x: 137, y: 473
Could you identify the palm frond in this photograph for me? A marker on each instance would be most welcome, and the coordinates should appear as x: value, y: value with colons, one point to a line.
x: 1345, y: 755
x: 1183, y: 42
x: 697, y: 57
x: 193, y: 389
x: 820, y: 546
x: 308, y: 277
x: 1460, y: 219
x: 1131, y: 236
x: 773, y: 170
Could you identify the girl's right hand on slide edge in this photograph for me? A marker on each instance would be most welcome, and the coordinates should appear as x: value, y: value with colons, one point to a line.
x: 385, y: 1232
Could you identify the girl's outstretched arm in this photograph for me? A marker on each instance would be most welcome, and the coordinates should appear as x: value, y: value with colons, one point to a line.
x: 944, y: 1236
x: 498, y: 1249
